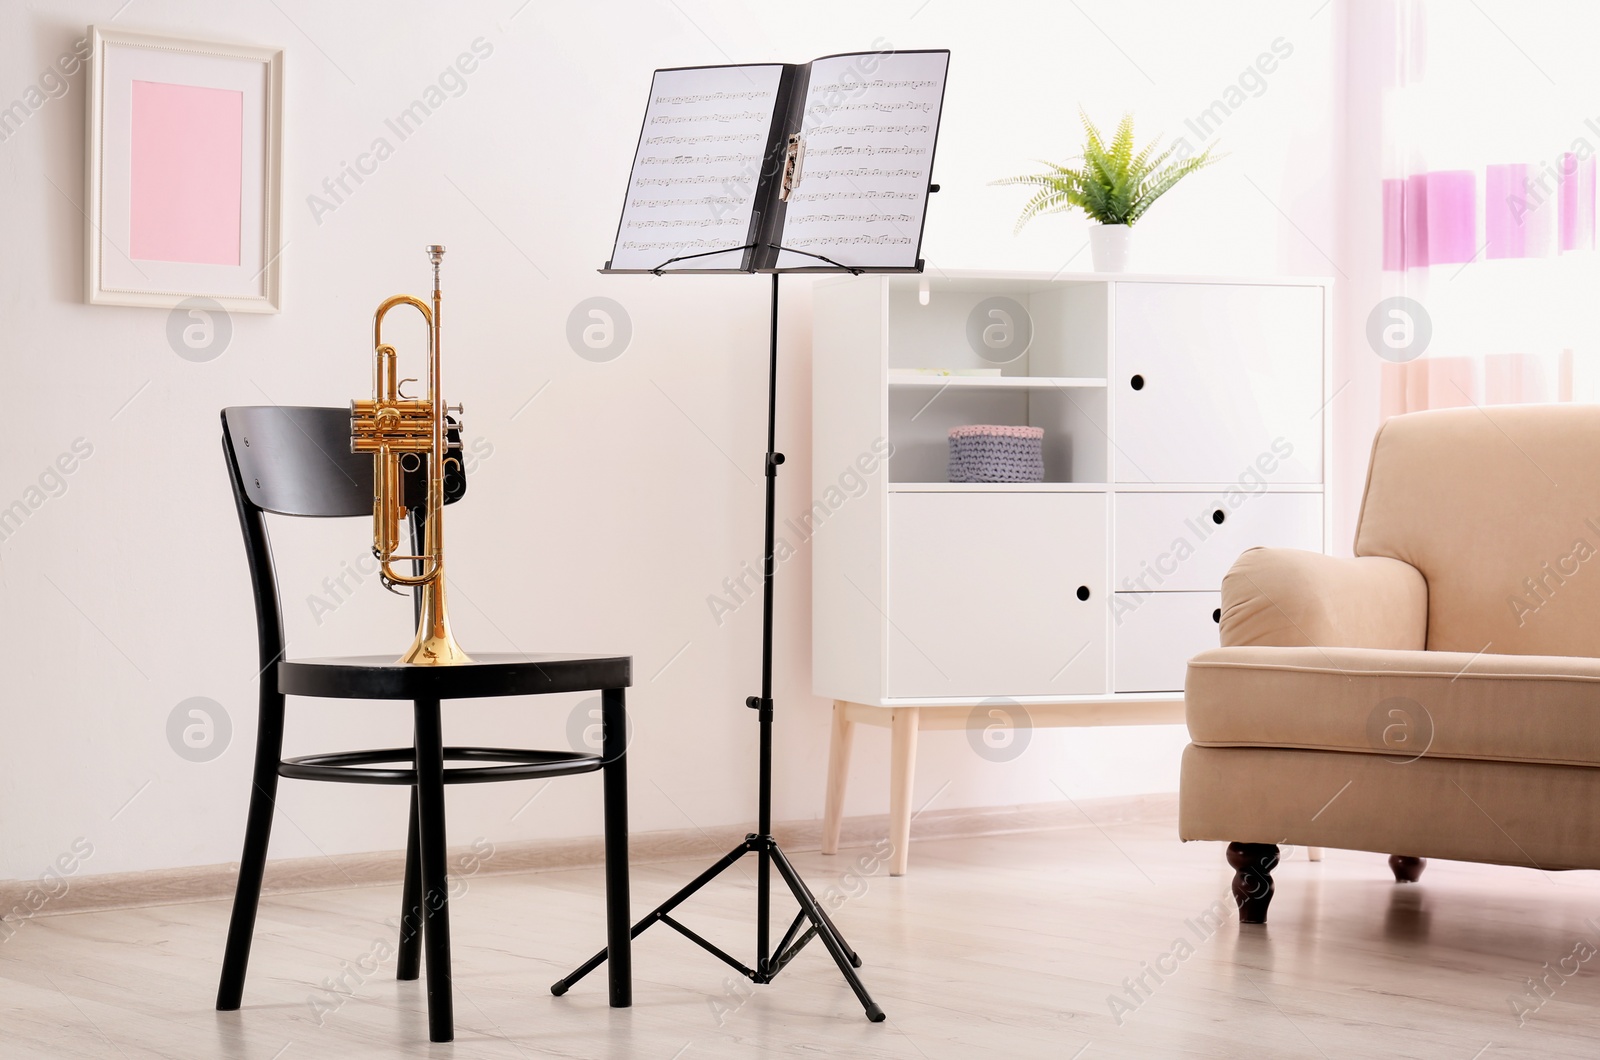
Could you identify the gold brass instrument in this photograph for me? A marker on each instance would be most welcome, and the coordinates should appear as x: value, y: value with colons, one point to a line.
x: 407, y: 434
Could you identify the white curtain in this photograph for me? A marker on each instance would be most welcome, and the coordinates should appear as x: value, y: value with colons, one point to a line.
x: 1490, y: 130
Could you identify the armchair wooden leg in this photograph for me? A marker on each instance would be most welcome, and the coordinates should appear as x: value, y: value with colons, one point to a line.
x: 902, y: 778
x: 435, y: 871
x: 409, y: 963
x: 1406, y: 869
x: 1252, y: 879
x: 844, y: 731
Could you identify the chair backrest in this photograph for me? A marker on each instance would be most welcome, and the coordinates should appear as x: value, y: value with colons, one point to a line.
x: 1499, y: 508
x: 296, y: 460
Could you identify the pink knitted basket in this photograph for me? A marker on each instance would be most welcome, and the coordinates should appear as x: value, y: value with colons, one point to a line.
x: 996, y: 453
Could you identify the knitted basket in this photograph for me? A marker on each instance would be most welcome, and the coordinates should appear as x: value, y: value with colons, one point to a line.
x: 984, y: 453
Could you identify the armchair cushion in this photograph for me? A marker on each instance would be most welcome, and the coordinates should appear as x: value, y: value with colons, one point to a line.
x: 1505, y: 708
x: 1291, y: 598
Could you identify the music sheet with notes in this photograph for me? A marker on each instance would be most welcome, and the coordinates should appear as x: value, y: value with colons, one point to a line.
x: 869, y: 127
x: 698, y: 166
x: 707, y: 192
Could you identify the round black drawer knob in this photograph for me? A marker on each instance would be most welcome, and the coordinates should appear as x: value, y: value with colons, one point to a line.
x: 1083, y: 592
x: 1219, y: 516
x: 1216, y: 616
x: 1137, y: 382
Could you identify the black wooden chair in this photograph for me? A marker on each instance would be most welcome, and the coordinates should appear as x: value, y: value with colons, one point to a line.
x: 297, y: 462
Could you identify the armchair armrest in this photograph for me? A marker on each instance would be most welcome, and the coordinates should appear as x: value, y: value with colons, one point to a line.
x: 1289, y: 598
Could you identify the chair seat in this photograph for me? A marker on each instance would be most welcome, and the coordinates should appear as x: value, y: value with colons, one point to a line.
x: 1507, y: 708
x: 489, y: 674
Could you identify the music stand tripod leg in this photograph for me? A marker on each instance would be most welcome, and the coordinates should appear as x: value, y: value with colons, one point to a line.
x: 561, y: 986
x: 825, y: 932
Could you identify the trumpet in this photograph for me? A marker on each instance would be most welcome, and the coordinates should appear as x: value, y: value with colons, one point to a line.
x: 406, y: 435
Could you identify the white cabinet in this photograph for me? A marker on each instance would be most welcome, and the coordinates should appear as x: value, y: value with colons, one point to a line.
x: 1173, y: 542
x: 1157, y: 633
x: 1210, y: 378
x: 934, y: 594
x: 996, y: 594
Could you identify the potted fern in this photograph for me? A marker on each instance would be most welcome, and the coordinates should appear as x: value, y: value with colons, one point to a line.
x: 1112, y: 184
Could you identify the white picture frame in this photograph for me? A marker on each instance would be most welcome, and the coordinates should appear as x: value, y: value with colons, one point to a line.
x: 126, y: 63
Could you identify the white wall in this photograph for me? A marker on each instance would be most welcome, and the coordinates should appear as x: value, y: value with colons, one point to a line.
x: 616, y: 502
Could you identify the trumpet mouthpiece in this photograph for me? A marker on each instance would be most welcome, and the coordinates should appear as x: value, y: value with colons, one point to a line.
x: 435, y: 252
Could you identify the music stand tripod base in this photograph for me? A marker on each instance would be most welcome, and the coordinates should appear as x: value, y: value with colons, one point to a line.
x: 812, y: 916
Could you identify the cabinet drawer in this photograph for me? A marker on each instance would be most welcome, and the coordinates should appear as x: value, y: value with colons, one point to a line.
x: 1209, y: 378
x: 997, y: 594
x: 1156, y: 634
x: 1176, y: 542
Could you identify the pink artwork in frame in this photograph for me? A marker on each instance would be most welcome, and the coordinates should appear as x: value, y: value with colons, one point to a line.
x: 186, y: 163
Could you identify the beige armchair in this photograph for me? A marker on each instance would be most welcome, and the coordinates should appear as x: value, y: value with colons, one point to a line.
x: 1437, y: 695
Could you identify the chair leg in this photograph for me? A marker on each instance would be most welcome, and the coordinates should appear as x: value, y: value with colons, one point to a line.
x: 902, y: 779
x: 253, y: 862
x: 435, y: 877
x: 1406, y: 869
x: 619, y: 913
x: 409, y: 964
x: 1252, y: 879
x: 838, y: 776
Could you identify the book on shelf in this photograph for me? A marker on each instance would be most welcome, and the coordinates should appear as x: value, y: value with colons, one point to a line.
x: 964, y: 373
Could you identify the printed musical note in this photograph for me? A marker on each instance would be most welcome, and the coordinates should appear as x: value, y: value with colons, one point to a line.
x: 853, y: 150
x: 861, y: 173
x: 853, y: 218
x: 695, y: 160
x: 851, y: 86
x: 707, y: 138
x: 659, y: 247
x: 685, y: 222
x: 677, y: 119
x: 885, y: 106
x: 864, y: 195
x: 710, y: 97
x: 850, y: 241
x: 723, y: 201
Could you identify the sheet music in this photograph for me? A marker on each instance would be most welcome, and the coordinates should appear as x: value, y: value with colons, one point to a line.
x: 697, y: 167
x: 869, y: 128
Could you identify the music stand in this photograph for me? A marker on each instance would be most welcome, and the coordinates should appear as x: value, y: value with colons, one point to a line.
x: 763, y: 255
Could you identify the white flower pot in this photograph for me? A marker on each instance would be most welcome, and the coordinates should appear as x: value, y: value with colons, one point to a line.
x: 1108, y: 246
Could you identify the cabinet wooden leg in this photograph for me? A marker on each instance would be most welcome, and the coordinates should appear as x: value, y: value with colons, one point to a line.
x: 844, y: 731
x: 902, y: 778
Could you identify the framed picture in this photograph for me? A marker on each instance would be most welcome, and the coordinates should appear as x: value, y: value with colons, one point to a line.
x: 184, y: 172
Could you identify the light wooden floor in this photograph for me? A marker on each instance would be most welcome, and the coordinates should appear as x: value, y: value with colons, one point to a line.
x: 1006, y: 946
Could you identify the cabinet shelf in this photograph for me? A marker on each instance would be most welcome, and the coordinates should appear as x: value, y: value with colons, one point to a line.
x: 998, y: 382
x: 998, y: 487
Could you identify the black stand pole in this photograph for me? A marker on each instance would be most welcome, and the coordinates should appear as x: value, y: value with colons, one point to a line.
x: 761, y: 842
